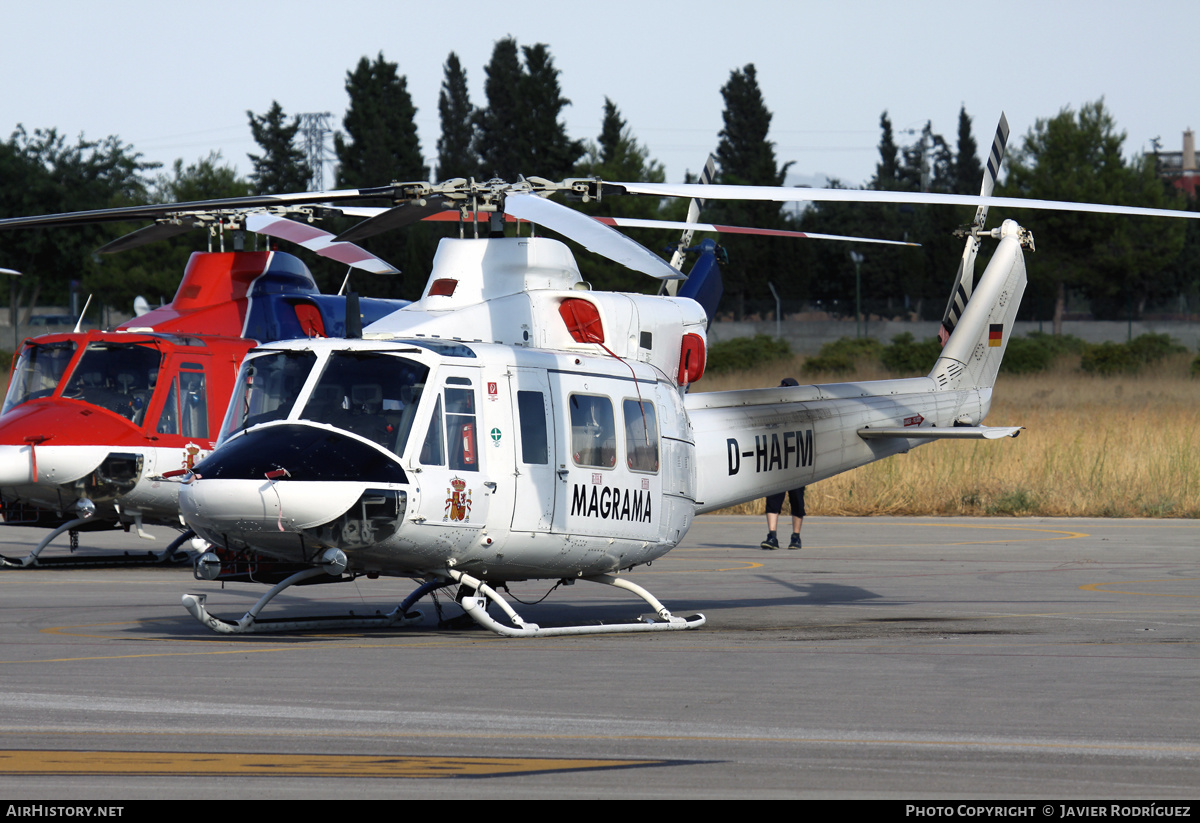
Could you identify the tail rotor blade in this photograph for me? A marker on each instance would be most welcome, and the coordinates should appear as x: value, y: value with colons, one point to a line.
x: 964, y: 280
x: 693, y: 215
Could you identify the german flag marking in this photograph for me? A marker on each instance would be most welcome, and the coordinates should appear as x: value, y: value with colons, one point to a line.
x: 995, y: 334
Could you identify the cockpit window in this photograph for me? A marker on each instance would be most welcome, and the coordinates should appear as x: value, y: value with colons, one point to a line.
x: 38, y: 371
x: 268, y: 386
x: 371, y: 394
x: 119, y: 377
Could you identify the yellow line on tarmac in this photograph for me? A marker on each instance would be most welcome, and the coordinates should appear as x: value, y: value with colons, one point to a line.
x: 1103, y: 587
x: 46, y: 762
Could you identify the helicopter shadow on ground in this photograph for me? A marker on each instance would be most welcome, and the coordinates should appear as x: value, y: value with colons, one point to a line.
x: 571, y: 605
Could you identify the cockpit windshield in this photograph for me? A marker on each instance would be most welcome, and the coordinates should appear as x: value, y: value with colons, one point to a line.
x: 38, y: 371
x: 268, y: 386
x: 372, y: 394
x: 119, y: 377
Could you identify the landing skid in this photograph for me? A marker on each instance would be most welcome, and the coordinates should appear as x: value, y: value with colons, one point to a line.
x: 405, y: 615
x: 250, y: 623
x: 168, y: 557
x: 661, y: 621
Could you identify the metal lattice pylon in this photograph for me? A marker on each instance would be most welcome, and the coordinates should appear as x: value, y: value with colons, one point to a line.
x: 316, y: 128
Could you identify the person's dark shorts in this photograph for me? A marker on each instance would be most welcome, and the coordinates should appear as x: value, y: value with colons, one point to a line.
x: 795, y: 497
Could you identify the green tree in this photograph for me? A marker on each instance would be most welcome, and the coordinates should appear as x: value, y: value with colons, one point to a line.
x: 554, y: 153
x: 746, y: 157
x: 499, y: 136
x: 207, y: 179
x: 381, y: 145
x: 282, y: 166
x: 154, y: 270
x: 968, y: 171
x: 44, y: 174
x: 617, y: 155
x: 520, y: 132
x: 897, y: 281
x: 1077, y: 156
x: 456, y: 154
x: 885, y: 169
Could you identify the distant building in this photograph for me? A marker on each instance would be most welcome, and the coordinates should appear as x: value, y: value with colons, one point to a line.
x: 1180, y: 166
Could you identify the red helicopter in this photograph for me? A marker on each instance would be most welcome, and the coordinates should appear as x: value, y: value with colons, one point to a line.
x: 95, y: 424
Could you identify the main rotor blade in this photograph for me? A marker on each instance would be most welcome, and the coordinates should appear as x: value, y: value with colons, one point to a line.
x: 593, y: 236
x: 395, y: 218
x: 160, y: 210
x: 640, y: 223
x: 319, y: 241
x: 146, y: 234
x: 799, y: 195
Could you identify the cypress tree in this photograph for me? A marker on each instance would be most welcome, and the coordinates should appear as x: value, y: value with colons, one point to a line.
x: 499, y: 138
x: 282, y: 166
x: 968, y: 171
x: 382, y: 144
x: 456, y: 154
x: 885, y: 170
x: 746, y: 157
x: 519, y: 132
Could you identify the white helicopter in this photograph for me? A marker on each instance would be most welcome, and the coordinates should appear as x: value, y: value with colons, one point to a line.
x: 512, y: 424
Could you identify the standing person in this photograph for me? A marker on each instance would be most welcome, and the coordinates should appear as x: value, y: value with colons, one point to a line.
x: 775, y: 505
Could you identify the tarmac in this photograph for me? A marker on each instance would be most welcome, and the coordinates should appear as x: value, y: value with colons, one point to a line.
x: 903, y: 658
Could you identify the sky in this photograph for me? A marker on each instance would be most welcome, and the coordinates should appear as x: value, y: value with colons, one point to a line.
x: 175, y: 80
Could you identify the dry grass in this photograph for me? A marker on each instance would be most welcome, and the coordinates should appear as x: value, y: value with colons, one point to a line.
x: 1094, y: 447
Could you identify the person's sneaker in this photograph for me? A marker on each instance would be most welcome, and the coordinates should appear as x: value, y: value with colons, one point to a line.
x: 795, y: 544
x: 772, y: 542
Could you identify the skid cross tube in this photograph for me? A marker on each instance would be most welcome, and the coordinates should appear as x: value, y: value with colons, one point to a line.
x: 476, y: 606
x: 250, y: 623
x: 33, y: 560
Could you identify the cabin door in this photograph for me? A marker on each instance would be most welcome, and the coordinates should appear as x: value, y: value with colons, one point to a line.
x: 535, y: 478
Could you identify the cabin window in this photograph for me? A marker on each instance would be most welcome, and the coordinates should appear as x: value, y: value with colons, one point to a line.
x: 186, y: 410
x: 38, y: 371
x: 460, y: 440
x: 641, y: 436
x: 593, y: 433
x: 119, y: 377
x: 531, y: 407
x: 460, y: 430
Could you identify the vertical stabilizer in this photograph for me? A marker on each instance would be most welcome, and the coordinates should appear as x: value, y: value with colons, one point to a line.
x: 972, y: 355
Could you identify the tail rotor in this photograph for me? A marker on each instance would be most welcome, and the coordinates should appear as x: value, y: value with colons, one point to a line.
x: 964, y: 280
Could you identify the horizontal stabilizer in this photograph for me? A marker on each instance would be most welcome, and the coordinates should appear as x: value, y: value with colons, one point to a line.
x: 944, y: 433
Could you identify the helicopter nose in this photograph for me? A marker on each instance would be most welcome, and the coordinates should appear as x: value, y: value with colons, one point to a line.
x: 51, y: 465
x: 267, y: 506
x: 16, y: 465
x: 55, y: 441
x: 275, y: 481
